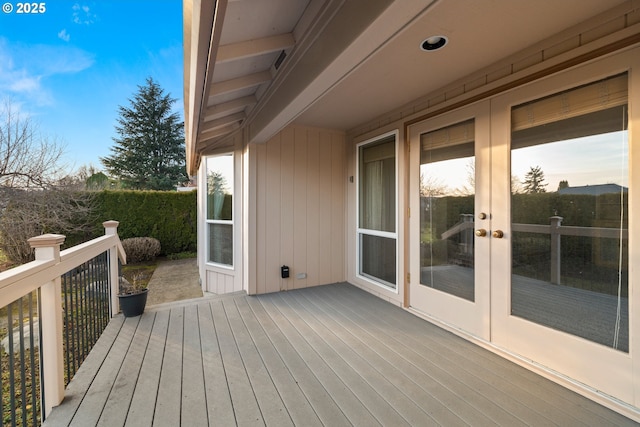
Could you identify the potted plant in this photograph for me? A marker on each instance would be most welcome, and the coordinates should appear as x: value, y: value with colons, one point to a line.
x: 132, y: 296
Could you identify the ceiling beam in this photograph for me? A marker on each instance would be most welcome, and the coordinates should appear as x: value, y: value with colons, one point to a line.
x: 224, y: 121
x: 207, y: 140
x: 249, y: 48
x: 243, y: 82
x: 234, y: 106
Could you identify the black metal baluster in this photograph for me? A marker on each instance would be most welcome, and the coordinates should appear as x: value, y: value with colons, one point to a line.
x: 12, y: 384
x: 32, y: 365
x: 73, y: 343
x: 23, y: 373
x: 42, y: 394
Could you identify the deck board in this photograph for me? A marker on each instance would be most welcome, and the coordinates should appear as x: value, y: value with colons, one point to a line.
x: 144, y: 397
x: 80, y: 383
x: 194, y: 399
x: 501, y: 374
x: 427, y: 367
x: 396, y: 407
x: 167, y: 409
x: 219, y: 405
x: 93, y: 404
x: 298, y: 407
x: 331, y: 382
x: 245, y: 404
x: 125, y: 383
x: 323, y: 344
x: 323, y: 405
x: 331, y: 355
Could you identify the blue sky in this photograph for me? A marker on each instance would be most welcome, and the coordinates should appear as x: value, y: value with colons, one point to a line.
x: 70, y: 67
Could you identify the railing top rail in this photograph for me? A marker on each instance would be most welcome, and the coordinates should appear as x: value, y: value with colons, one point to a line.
x: 88, y: 250
x: 122, y: 255
x: 31, y: 276
x: 26, y: 278
x: 457, y: 228
x: 564, y: 230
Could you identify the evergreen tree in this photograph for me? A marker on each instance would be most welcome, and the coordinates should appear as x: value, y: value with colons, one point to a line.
x: 534, y: 181
x: 563, y: 184
x: 149, y: 153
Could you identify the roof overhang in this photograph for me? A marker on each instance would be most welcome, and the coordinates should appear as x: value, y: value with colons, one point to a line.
x: 256, y: 66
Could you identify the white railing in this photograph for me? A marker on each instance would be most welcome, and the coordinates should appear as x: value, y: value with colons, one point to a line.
x: 555, y: 229
x: 45, y: 273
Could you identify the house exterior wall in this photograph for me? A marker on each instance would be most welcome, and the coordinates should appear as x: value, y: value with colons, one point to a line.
x: 296, y: 188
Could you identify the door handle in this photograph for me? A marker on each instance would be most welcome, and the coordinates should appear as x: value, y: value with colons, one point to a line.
x: 481, y: 232
x: 498, y: 234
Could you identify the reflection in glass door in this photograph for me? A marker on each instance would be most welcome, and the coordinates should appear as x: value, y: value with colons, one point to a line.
x: 447, y: 189
x: 569, y: 212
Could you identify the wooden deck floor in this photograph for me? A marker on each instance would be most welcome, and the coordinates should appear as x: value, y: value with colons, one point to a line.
x: 332, y: 355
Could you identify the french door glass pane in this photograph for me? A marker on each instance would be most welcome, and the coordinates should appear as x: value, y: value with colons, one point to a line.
x: 221, y: 243
x: 569, y: 226
x: 447, y: 193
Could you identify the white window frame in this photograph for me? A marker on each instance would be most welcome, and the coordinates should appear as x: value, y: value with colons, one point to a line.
x: 219, y: 221
x: 391, y: 287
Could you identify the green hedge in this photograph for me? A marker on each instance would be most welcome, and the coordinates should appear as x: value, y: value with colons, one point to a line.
x: 170, y: 217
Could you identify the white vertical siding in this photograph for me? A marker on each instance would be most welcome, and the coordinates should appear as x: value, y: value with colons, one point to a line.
x: 220, y: 283
x: 299, y: 198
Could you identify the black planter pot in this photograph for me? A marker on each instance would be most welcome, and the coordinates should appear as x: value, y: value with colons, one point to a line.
x: 133, y: 304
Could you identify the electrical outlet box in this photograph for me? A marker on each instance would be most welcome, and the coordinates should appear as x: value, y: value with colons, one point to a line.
x: 284, y: 271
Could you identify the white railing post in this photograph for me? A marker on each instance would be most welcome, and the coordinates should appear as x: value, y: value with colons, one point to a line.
x: 111, y: 228
x: 556, y: 222
x: 47, y: 247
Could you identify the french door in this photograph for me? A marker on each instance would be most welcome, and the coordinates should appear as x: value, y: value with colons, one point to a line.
x: 521, y: 224
x: 449, y: 248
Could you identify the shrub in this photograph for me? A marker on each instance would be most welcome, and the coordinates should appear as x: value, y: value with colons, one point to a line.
x: 168, y: 216
x: 141, y: 248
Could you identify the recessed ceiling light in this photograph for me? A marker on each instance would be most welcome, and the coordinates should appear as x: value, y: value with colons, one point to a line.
x: 433, y: 43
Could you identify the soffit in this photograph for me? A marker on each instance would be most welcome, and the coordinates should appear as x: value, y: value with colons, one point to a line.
x: 251, y: 35
x: 480, y: 33
x: 348, y: 61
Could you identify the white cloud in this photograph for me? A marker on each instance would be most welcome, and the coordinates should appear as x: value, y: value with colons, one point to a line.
x: 24, y: 83
x: 64, y: 35
x: 24, y: 69
x: 83, y: 15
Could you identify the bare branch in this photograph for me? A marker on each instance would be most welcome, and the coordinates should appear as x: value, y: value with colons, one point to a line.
x: 28, y: 159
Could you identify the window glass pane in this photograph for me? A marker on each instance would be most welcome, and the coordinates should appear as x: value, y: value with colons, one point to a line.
x: 378, y: 185
x: 220, y: 187
x: 447, y: 197
x: 378, y: 258
x: 570, y: 224
x: 221, y: 243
